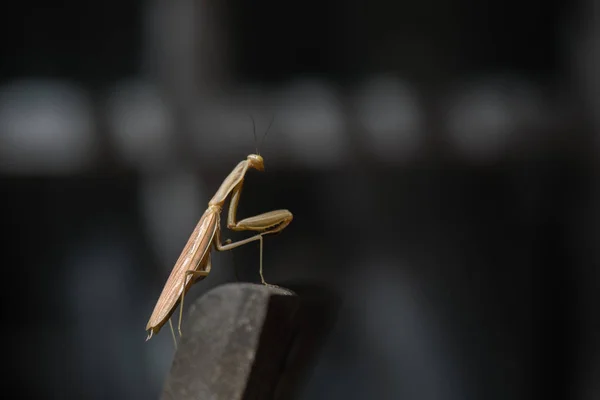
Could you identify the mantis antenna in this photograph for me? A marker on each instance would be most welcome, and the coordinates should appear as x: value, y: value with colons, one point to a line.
x: 267, y: 131
x: 254, y: 132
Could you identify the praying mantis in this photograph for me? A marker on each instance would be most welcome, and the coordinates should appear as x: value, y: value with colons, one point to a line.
x: 194, y: 263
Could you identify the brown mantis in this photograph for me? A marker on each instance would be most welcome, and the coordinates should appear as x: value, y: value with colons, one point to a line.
x: 194, y: 263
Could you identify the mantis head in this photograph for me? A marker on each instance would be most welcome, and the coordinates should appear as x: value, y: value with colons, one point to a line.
x: 256, y: 162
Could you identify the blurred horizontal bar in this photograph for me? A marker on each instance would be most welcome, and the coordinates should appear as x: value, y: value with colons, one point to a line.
x: 50, y: 127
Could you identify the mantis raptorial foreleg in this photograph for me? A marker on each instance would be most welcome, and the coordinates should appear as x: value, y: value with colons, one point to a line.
x: 269, y: 222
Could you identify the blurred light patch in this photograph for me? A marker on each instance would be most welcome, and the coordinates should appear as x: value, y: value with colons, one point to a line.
x: 488, y: 118
x: 310, y: 115
x: 45, y: 127
x: 141, y: 125
x: 389, y: 112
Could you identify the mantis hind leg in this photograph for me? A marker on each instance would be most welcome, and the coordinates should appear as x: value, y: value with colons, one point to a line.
x: 235, y: 269
x: 228, y: 246
x: 195, y: 274
x: 173, y: 333
x: 260, y: 268
x: 262, y: 277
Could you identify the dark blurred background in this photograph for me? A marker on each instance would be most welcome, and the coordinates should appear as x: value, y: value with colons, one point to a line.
x: 439, y: 158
